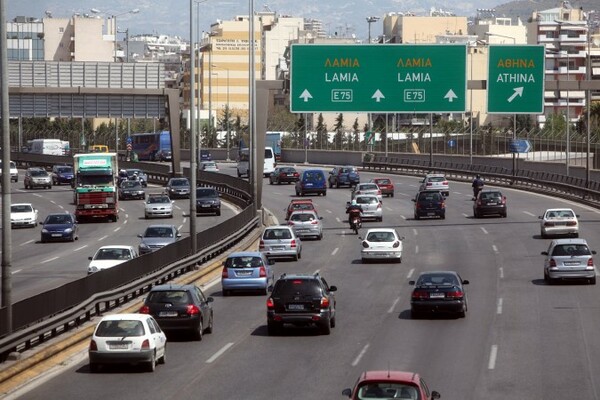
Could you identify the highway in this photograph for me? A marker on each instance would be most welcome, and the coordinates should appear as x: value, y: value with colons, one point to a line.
x: 521, y: 339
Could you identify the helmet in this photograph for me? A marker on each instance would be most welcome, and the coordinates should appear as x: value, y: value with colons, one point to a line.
x: 353, y: 203
x: 478, y: 177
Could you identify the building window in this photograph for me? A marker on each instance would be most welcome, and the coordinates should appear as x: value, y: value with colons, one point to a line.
x: 61, y: 30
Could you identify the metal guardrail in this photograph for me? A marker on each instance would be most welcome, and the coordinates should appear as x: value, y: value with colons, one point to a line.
x: 558, y: 185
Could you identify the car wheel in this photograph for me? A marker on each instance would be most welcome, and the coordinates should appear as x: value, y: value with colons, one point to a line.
x: 163, y: 359
x: 337, y: 185
x: 415, y: 315
x: 330, y: 184
x: 392, y: 194
x: 320, y: 237
x: 576, y: 235
x: 297, y: 193
x: 218, y: 213
x: 543, y: 235
x: 443, y: 216
x: 226, y: 292
x: 325, y: 193
x: 94, y: 367
x: 475, y: 214
x: 593, y: 281
x: 325, y: 327
x: 197, y: 333
x: 505, y: 214
x: 380, y: 219
x: 333, y: 322
x: 295, y: 257
x: 209, y: 328
x: 300, y: 255
x: 151, y: 365
x: 273, y: 328
x: 270, y: 181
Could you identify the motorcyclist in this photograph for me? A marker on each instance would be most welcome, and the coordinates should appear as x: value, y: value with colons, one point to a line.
x: 354, y: 211
x: 122, y: 176
x: 477, y: 186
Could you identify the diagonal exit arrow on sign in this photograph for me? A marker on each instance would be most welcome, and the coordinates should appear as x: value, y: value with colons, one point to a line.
x: 518, y: 92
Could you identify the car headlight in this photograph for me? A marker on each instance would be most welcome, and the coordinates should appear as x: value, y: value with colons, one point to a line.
x: 44, y: 230
x: 92, y: 269
x: 143, y: 246
x: 68, y: 230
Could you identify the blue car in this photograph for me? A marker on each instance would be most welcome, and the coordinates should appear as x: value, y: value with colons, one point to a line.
x: 247, y: 270
x: 312, y: 181
x: 62, y: 174
x: 60, y: 227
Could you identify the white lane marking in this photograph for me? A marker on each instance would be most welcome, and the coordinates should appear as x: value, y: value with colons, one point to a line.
x: 52, y: 201
x: 117, y: 229
x: 410, y: 273
x: 277, y: 193
x: 37, y: 195
x: 177, y: 207
x: 391, y: 309
x: 61, y: 207
x: 334, y: 252
x: 389, y: 208
x: 465, y: 214
x: 415, y: 232
x: 338, y: 219
x: 406, y: 195
x: 180, y: 227
x: 493, y: 354
x: 528, y: 213
x: 316, y: 271
x: 459, y: 193
x: 495, y: 248
x: 501, y: 272
x: 27, y: 242
x: 17, y: 271
x: 184, y: 220
x: 484, y: 230
x: 416, y: 249
x: 102, y: 238
x: 48, y: 260
x: 81, y: 248
x: 499, y: 306
x: 403, y: 217
x: 329, y: 211
x: 360, y: 355
x: 124, y: 222
x: 219, y: 353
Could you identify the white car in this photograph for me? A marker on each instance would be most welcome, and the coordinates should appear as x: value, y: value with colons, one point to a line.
x: 23, y: 215
x: 158, y: 205
x: 559, y: 221
x: 127, y: 339
x: 436, y: 182
x: 109, y: 256
x: 14, y: 173
x: 371, y: 206
x: 367, y: 188
x: 209, y: 166
x: 381, y: 244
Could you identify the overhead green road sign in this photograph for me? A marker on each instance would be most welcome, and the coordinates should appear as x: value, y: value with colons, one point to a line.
x: 516, y: 79
x: 378, y: 78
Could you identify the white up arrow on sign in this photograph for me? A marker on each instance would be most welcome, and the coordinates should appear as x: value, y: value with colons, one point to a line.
x: 518, y: 92
x: 378, y: 96
x: 305, y: 95
x: 451, y: 96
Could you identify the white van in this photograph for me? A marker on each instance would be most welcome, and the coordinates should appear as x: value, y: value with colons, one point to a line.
x: 243, y: 165
x: 14, y: 173
x: 53, y: 147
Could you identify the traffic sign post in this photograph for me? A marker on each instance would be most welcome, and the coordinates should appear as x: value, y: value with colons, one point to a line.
x: 378, y: 78
x: 516, y: 79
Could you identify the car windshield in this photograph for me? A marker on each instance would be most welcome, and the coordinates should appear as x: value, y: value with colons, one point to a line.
x: 383, y: 181
x: 179, y: 182
x: 113, y: 254
x: 273, y: 234
x: 491, y: 196
x: 303, y: 217
x: 130, y: 184
x: 560, y: 214
x: 381, y: 237
x: 131, y: 172
x: 302, y: 206
x: 430, y: 196
x: 388, y: 390
x: 436, y: 179
x: 23, y: 208
x: 173, y: 297
x: 244, y: 262
x: 308, y: 287
x: 158, y: 231
x: 157, y: 199
x: 571, y: 250
x: 369, y: 187
x: 367, y: 200
x: 121, y: 328
x: 64, y: 170
x: 58, y: 219
x: 437, y: 280
x: 313, y: 176
x: 206, y: 193
x: 39, y: 173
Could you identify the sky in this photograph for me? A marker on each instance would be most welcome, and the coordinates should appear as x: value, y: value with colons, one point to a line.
x: 172, y: 17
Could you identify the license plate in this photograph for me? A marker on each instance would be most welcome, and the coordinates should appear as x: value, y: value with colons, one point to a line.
x: 244, y: 273
x: 430, y: 213
x: 491, y: 203
x: 118, y: 346
x: 309, y: 184
x: 206, y: 205
x: 571, y: 263
x: 437, y: 295
x: 296, y: 306
x: 167, y: 314
x: 277, y: 247
x: 56, y: 235
x: 290, y: 174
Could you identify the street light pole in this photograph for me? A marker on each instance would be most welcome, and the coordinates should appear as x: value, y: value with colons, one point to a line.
x: 193, y: 152
x: 227, y: 115
x: 114, y: 29
x: 370, y: 20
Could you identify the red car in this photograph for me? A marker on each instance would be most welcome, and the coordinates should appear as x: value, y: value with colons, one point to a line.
x: 299, y: 205
x: 390, y: 385
x: 385, y: 185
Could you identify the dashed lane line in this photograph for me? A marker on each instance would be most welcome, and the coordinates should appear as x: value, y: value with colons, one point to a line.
x: 360, y: 355
x: 219, y: 353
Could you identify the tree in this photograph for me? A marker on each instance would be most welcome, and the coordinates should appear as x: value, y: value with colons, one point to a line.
x: 281, y: 120
x: 356, y: 131
x: 339, y: 139
x: 321, y: 128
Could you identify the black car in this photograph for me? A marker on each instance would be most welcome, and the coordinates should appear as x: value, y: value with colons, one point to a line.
x: 178, y: 188
x: 163, y: 155
x: 490, y: 202
x: 130, y: 190
x: 62, y: 174
x: 343, y: 176
x: 180, y: 308
x: 284, y: 175
x: 301, y: 300
x: 59, y: 227
x: 429, y: 203
x: 438, y: 291
x: 208, y: 201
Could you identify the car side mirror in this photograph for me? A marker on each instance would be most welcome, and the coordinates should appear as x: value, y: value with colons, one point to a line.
x: 179, y: 235
x: 347, y: 392
x: 172, y: 201
x: 435, y: 395
x: 361, y: 238
x: 577, y: 215
x: 140, y: 235
x: 271, y: 262
x: 411, y: 282
x: 333, y: 288
x: 540, y: 217
x: 320, y: 218
x: 90, y: 258
x: 544, y: 253
x: 593, y: 251
x: 414, y: 200
x: 465, y: 282
x: 210, y: 299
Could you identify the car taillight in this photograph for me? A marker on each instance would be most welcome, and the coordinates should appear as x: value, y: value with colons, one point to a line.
x: 290, y: 222
x: 456, y: 294
x: 293, y: 243
x: 443, y: 204
x: 282, y: 174
x: 314, y: 221
x: 262, y: 272
x: 396, y: 244
x: 479, y: 202
x: 418, y: 205
x: 146, y: 344
x: 547, y: 223
x: 192, y: 309
x: 225, y: 274
x: 270, y: 304
x: 379, y: 205
x: 296, y: 174
x: 324, y: 302
x: 590, y: 262
x: 445, y: 183
x: 504, y: 200
x: 93, y: 345
x: 261, y: 244
x: 429, y: 184
x: 420, y: 294
x: 552, y: 262
x: 365, y: 244
x: 379, y: 192
x: 144, y: 310
x: 571, y: 223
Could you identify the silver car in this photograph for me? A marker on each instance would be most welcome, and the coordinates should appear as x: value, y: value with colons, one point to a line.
x: 247, y: 270
x: 306, y: 224
x: 559, y: 221
x: 280, y: 241
x: 371, y: 206
x: 367, y: 188
x: 436, y: 182
x: 156, y: 237
x: 158, y: 205
x: 569, y: 259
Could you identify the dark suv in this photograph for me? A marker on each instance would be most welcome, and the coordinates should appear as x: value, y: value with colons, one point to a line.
x: 347, y: 176
x: 301, y: 300
x: 208, y: 201
x: 179, y: 308
x: 430, y: 203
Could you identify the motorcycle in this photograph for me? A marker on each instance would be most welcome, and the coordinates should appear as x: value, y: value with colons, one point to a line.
x: 355, y: 223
